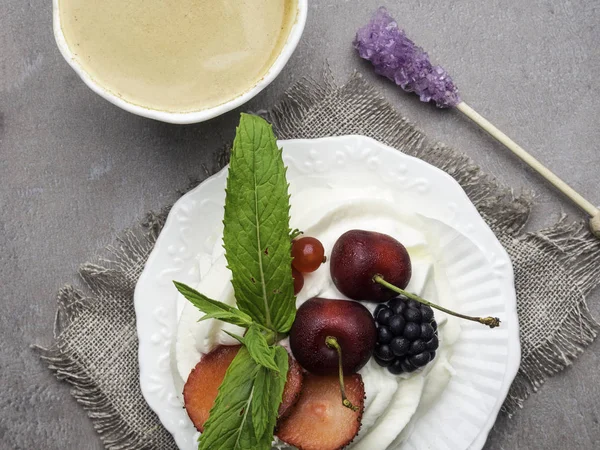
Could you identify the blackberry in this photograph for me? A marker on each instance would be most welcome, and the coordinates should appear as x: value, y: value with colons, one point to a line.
x: 413, y: 304
x: 384, y: 335
x: 426, y: 313
x: 412, y: 331
x: 433, y: 343
x: 383, y: 316
x: 379, y: 308
x: 382, y: 362
x: 413, y: 315
x: 400, y: 346
x: 407, y: 366
x: 384, y: 352
x: 417, y: 346
x: 427, y: 331
x: 396, y: 367
x: 397, y: 305
x: 407, y: 337
x: 396, y: 324
x: 420, y: 359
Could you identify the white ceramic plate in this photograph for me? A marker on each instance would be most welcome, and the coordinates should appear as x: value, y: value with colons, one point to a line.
x: 478, y: 266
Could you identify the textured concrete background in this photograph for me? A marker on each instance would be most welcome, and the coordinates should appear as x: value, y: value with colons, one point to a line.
x: 75, y: 171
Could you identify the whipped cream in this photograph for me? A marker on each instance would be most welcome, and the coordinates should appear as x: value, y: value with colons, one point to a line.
x: 393, y: 402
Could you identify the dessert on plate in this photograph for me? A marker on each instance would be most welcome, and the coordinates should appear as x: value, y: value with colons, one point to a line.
x: 319, y: 321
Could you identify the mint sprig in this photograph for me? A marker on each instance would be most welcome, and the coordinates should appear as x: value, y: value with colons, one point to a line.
x: 258, y: 251
x: 256, y: 227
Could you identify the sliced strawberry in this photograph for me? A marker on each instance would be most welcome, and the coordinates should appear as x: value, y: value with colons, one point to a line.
x: 202, y: 386
x: 293, y: 388
x: 319, y: 421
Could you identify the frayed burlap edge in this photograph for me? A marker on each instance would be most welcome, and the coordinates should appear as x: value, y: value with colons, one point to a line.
x: 578, y: 251
x: 130, y: 251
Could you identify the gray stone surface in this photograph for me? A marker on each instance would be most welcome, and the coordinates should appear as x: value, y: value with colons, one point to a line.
x: 75, y: 171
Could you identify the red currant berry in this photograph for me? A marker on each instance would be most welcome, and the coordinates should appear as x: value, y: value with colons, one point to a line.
x: 308, y: 254
x: 298, y: 280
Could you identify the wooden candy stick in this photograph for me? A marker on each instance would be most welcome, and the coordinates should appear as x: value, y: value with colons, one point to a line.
x: 595, y: 225
x: 398, y: 58
x: 493, y: 131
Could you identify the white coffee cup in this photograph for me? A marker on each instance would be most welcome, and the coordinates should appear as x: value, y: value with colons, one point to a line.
x: 194, y: 116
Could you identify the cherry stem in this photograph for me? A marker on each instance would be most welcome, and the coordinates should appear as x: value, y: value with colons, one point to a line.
x: 491, y: 322
x: 332, y: 342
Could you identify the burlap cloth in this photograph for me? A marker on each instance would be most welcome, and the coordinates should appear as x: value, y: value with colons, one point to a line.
x: 96, y: 343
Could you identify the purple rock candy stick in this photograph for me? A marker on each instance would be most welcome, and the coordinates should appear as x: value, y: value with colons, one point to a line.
x: 398, y: 58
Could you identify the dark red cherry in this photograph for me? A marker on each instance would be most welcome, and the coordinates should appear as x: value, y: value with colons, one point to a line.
x: 348, y: 322
x: 359, y: 255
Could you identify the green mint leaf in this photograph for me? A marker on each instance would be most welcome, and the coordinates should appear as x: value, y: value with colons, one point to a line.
x: 260, y: 406
x: 256, y: 227
x: 259, y: 348
x: 238, y: 338
x: 225, y: 317
x: 230, y: 425
x: 271, y: 384
x: 213, y: 308
x: 280, y: 378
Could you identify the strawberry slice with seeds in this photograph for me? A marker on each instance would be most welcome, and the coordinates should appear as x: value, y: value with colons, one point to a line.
x: 319, y: 421
x: 201, y: 389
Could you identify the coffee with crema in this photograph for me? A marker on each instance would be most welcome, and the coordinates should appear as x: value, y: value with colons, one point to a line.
x: 177, y: 55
